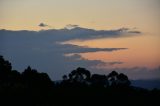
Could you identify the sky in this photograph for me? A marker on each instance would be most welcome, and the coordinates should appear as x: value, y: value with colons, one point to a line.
x: 100, y: 35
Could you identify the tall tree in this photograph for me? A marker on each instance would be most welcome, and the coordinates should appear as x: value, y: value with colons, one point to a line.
x: 80, y: 75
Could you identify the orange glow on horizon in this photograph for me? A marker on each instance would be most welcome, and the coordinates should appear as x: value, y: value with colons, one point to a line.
x: 142, y: 51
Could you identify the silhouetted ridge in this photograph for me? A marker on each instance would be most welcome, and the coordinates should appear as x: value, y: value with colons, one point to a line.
x: 78, y: 88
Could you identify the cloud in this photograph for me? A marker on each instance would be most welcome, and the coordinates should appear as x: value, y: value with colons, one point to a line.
x: 135, y: 32
x: 42, y: 25
x: 69, y: 48
x: 79, y: 58
x: 71, y: 26
x: 61, y: 35
x: 44, y: 50
x: 114, y: 63
x: 97, y: 63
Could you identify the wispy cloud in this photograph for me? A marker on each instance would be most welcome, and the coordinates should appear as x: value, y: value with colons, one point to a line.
x: 69, y: 48
x: 71, y: 26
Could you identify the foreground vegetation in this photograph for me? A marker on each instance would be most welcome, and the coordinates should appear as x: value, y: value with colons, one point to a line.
x: 79, y: 88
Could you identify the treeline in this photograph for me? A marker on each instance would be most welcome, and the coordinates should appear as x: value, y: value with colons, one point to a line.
x: 83, y: 78
x: 29, y: 78
x: 78, y: 88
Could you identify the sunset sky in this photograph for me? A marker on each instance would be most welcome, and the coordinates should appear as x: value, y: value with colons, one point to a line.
x: 142, y: 53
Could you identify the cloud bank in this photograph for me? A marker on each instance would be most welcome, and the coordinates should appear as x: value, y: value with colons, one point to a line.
x: 44, y: 50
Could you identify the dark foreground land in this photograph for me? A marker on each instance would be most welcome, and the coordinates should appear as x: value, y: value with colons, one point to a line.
x: 79, y: 88
x: 79, y: 97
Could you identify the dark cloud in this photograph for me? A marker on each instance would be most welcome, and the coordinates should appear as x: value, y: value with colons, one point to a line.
x: 114, y: 63
x: 135, y: 32
x: 69, y: 48
x: 78, y: 57
x: 42, y: 25
x: 44, y: 50
x: 61, y: 35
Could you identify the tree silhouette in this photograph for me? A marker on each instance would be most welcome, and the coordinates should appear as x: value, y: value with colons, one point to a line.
x: 99, y: 80
x: 5, y: 69
x: 112, y: 78
x: 123, y: 80
x: 116, y: 79
x: 5, y: 72
x: 5, y: 66
x: 79, y: 75
x: 35, y: 79
x: 15, y: 77
x: 30, y: 76
x: 65, y: 77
